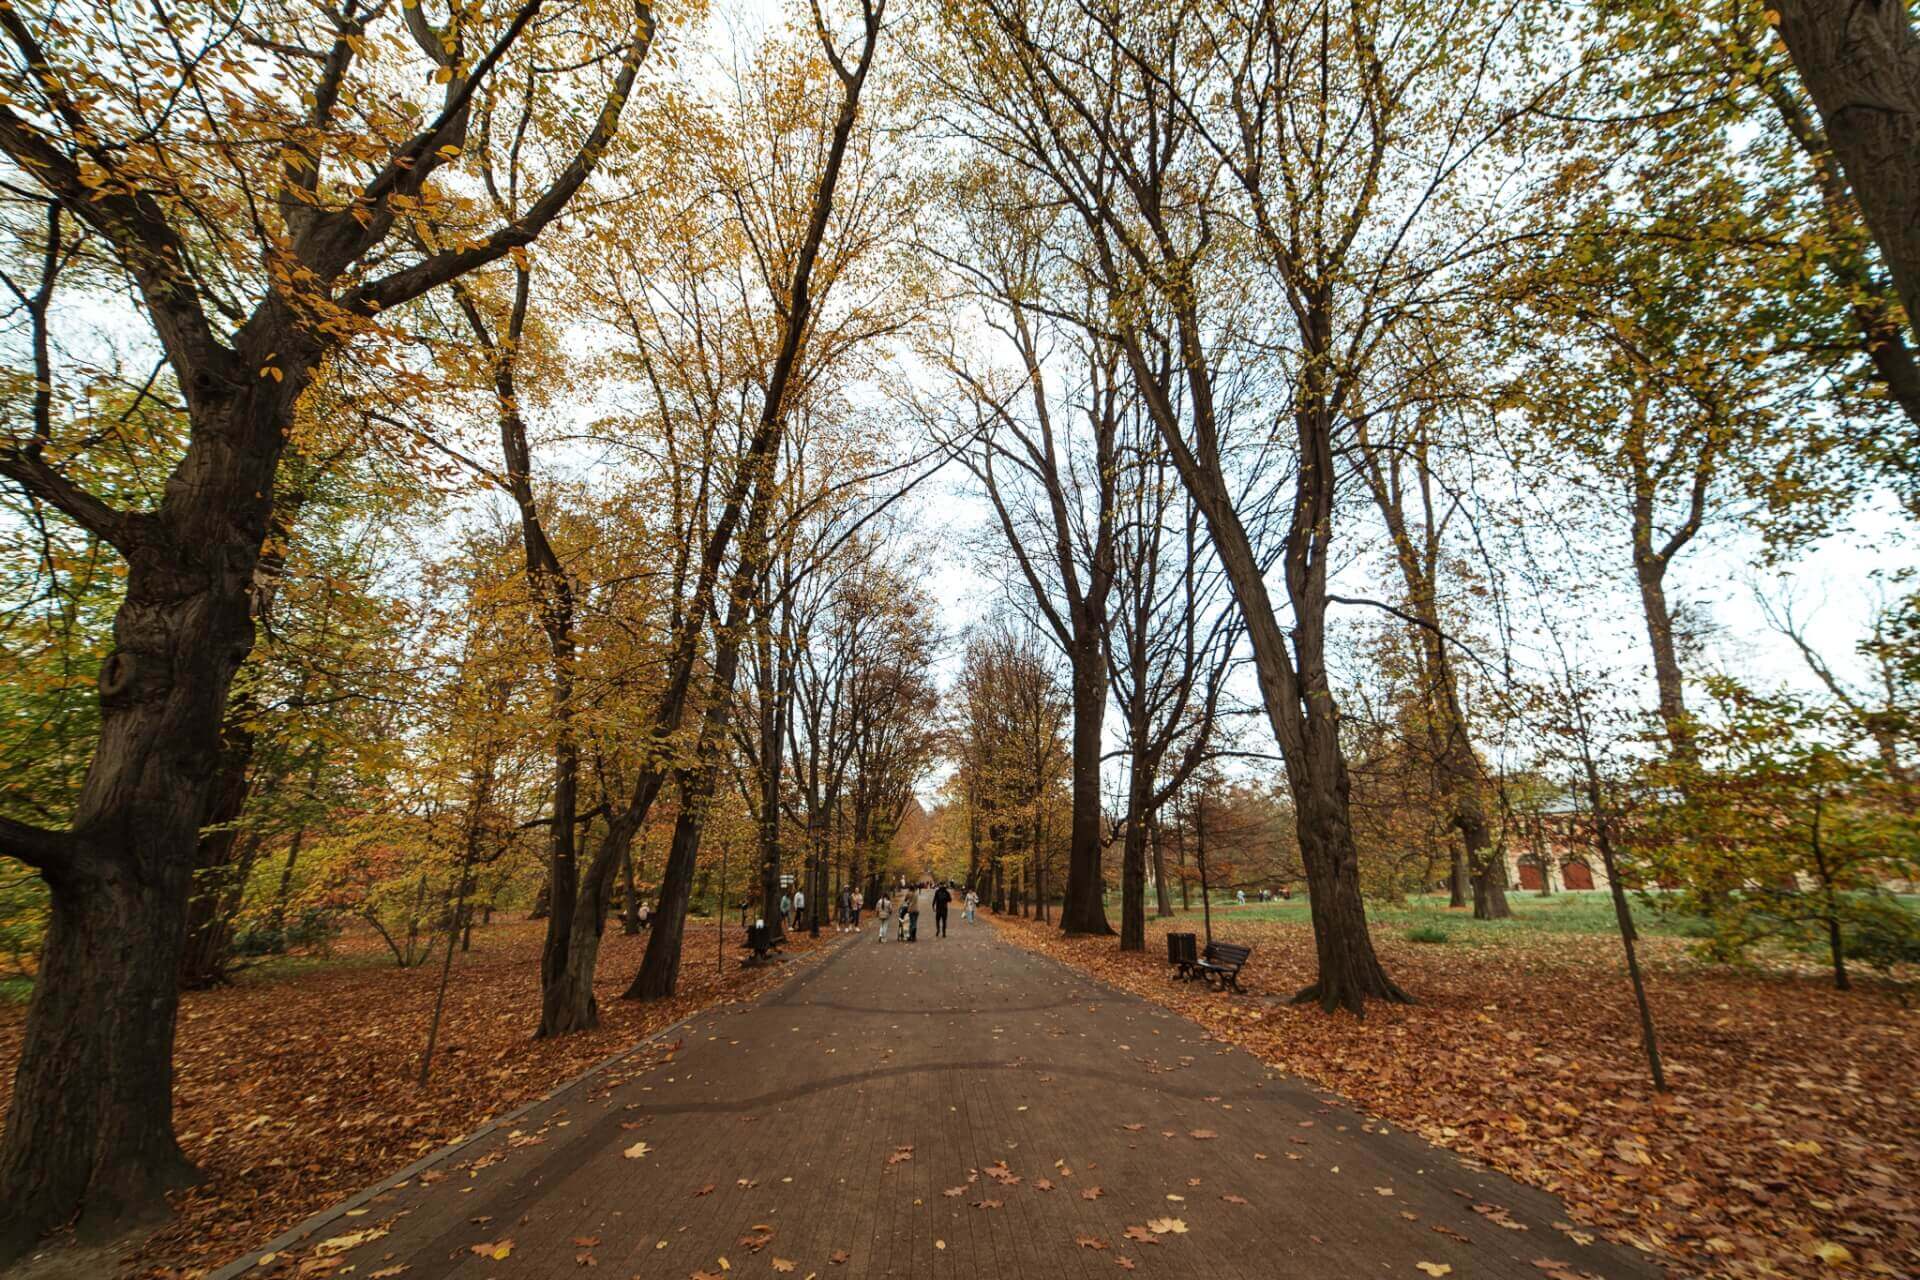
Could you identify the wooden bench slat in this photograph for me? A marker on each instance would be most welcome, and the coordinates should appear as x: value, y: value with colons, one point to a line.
x: 1225, y: 959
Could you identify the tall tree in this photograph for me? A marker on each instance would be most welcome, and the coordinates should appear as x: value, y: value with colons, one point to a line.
x: 1043, y: 446
x: 260, y: 220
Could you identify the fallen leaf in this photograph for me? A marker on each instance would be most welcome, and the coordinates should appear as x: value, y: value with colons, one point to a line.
x: 1090, y: 1193
x: 340, y: 1244
x: 637, y: 1151
x: 1090, y: 1242
x: 783, y: 1264
x: 1435, y: 1268
x: 498, y: 1250
x: 1202, y: 1134
x: 1167, y: 1226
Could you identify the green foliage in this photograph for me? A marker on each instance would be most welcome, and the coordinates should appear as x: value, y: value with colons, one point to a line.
x: 1783, y: 829
x: 23, y: 917
x: 1428, y: 933
x: 1883, y: 934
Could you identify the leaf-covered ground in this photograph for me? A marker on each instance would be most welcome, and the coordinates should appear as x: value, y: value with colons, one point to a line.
x: 1789, y: 1146
x: 295, y: 1090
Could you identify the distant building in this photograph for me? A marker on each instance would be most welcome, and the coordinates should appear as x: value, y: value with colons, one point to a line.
x: 1551, y: 843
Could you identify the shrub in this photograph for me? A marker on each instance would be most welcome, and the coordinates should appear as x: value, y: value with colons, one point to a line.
x: 1428, y: 933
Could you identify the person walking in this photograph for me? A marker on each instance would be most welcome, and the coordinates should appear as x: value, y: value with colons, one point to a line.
x: 922, y: 902
x: 853, y: 905
x: 883, y: 909
x: 786, y: 907
x: 941, y: 898
x: 973, y: 901
x: 900, y: 917
x: 799, y: 907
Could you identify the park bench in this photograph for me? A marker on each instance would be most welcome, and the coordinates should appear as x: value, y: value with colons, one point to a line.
x: 1182, y: 954
x: 1222, y: 962
x: 761, y: 944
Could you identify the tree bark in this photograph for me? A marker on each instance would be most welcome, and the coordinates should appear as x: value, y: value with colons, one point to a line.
x: 1085, y: 910
x: 1650, y: 573
x: 1133, y: 864
x: 90, y: 1128
x: 660, y: 969
x: 1860, y: 62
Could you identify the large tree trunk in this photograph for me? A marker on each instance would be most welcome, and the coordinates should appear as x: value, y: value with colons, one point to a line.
x: 1350, y: 973
x: 1085, y: 910
x: 660, y: 969
x: 90, y: 1130
x: 562, y: 1002
x: 91, y: 1123
x: 1860, y: 62
x: 567, y: 1001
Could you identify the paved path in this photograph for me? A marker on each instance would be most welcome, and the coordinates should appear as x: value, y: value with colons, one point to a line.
x: 947, y: 1109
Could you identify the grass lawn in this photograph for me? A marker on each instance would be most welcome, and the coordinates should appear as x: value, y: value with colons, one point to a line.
x: 1583, y: 911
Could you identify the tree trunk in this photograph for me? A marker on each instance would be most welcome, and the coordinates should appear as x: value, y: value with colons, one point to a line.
x: 567, y: 1002
x: 1294, y: 687
x: 1490, y: 890
x: 1457, y: 876
x: 91, y: 1123
x: 1830, y: 905
x: 660, y: 969
x: 563, y: 999
x: 1650, y: 572
x: 1133, y: 865
x: 90, y: 1129
x: 1085, y: 910
x: 1860, y: 62
x: 1164, y: 904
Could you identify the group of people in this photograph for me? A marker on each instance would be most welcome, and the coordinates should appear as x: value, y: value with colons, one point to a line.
x: 900, y: 913
x: 900, y: 910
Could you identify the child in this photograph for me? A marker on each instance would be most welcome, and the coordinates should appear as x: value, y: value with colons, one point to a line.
x: 882, y: 914
x: 906, y: 897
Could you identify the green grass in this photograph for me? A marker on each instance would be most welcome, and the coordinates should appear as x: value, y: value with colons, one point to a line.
x: 1578, y: 912
x: 1428, y: 933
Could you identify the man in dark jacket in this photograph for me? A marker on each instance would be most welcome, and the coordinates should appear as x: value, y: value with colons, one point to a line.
x: 941, y: 897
